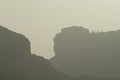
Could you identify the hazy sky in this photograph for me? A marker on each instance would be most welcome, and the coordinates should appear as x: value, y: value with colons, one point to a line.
x: 40, y: 20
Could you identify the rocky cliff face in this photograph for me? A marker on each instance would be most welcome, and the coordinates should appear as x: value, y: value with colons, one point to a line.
x: 79, y: 52
x: 17, y: 62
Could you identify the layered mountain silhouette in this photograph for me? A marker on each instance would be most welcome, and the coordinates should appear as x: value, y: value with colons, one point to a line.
x: 76, y: 50
x: 80, y: 52
x: 17, y: 62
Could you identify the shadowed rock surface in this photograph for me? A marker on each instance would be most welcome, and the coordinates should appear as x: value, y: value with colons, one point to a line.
x: 79, y: 52
x: 17, y: 62
x: 85, y: 77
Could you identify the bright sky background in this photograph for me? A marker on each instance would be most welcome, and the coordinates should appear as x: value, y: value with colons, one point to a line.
x: 41, y: 20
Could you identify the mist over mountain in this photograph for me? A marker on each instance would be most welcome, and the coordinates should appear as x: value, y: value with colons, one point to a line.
x: 17, y: 62
x: 79, y: 52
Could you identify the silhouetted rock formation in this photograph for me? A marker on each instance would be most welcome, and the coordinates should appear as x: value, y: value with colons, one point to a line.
x: 17, y: 62
x: 79, y: 52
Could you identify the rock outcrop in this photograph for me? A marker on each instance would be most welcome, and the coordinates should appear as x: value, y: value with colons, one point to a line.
x: 17, y: 62
x: 79, y: 52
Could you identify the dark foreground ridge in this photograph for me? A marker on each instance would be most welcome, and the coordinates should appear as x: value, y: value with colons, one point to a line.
x: 79, y: 52
x: 17, y: 62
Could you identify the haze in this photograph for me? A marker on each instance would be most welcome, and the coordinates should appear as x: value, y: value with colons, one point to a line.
x: 41, y: 20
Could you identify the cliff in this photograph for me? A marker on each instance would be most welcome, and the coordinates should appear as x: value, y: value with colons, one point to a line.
x: 17, y: 62
x: 79, y: 52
